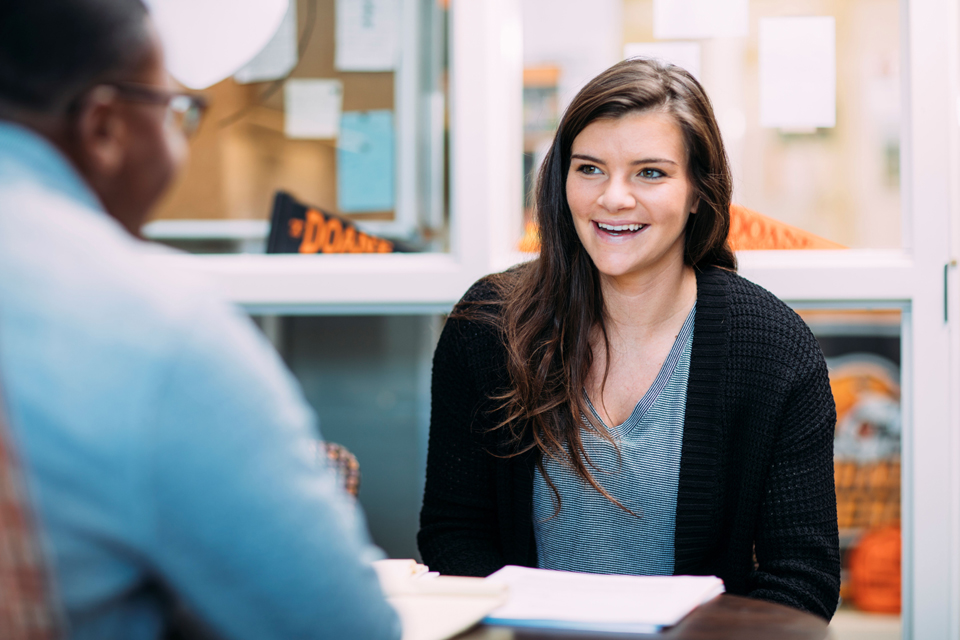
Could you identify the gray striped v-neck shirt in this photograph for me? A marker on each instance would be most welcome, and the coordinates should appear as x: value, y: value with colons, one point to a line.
x: 592, y: 534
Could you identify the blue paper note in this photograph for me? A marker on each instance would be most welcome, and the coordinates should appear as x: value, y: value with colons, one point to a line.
x: 365, y: 162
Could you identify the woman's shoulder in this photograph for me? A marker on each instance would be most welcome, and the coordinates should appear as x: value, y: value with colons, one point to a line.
x: 746, y: 298
x: 492, y: 288
x: 472, y: 338
x: 475, y: 327
x: 477, y: 315
x: 754, y: 315
x: 485, y: 291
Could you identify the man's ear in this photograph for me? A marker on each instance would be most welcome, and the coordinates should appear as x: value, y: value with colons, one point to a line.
x: 101, y: 134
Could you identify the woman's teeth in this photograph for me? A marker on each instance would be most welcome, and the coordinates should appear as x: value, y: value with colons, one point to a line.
x: 620, y: 228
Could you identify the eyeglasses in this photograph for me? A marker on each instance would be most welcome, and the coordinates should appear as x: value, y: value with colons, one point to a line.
x: 184, y: 110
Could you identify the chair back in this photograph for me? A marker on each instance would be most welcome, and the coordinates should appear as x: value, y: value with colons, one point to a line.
x: 344, y: 463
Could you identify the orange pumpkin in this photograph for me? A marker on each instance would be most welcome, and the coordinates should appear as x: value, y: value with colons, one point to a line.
x: 875, y: 570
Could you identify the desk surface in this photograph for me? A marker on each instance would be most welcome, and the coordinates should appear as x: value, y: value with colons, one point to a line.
x: 724, y: 618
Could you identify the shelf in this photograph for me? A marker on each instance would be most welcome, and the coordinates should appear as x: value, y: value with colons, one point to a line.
x: 332, y: 284
x: 236, y: 230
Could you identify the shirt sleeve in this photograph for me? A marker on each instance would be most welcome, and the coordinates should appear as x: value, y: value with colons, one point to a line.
x: 458, y: 522
x: 246, y: 526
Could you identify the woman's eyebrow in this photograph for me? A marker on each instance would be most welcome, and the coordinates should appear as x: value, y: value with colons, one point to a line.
x: 655, y: 161
x: 585, y: 157
x: 581, y: 156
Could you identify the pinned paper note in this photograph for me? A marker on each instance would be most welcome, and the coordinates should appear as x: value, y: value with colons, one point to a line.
x: 312, y: 108
x: 682, y: 54
x: 279, y: 57
x: 367, y: 37
x: 679, y: 19
x: 365, y: 162
x: 798, y: 72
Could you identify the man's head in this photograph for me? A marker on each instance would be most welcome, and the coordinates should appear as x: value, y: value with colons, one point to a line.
x: 89, y: 76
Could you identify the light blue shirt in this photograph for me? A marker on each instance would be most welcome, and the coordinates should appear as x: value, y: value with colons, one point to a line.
x: 165, y: 446
x: 642, y: 471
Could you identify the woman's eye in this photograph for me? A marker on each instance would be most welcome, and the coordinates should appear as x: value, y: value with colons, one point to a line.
x: 651, y: 173
x: 588, y: 169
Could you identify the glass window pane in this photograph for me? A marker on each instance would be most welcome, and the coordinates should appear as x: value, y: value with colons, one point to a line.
x: 382, y: 167
x: 799, y: 186
x: 863, y: 352
x: 368, y: 380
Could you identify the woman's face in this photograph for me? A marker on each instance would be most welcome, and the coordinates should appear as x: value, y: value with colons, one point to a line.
x: 630, y: 194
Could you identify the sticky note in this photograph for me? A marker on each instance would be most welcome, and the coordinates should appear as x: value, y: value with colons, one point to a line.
x: 682, y: 54
x: 279, y: 57
x: 365, y: 162
x: 693, y: 19
x: 312, y: 108
x: 367, y: 35
x: 798, y: 72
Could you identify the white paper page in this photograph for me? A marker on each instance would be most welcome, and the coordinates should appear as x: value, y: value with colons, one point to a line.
x: 679, y: 19
x: 542, y: 595
x: 279, y: 57
x: 682, y: 54
x: 798, y: 72
x: 435, y: 617
x: 367, y: 35
x: 312, y: 108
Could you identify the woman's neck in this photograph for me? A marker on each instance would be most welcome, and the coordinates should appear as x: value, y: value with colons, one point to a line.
x: 643, y: 304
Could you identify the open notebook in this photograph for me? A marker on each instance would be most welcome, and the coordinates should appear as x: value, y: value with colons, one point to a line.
x: 589, y: 602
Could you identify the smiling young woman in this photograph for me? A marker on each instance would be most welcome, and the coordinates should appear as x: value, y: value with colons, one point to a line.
x: 626, y: 403
x: 630, y: 195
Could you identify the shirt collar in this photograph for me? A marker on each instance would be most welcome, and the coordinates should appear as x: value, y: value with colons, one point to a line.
x: 26, y: 156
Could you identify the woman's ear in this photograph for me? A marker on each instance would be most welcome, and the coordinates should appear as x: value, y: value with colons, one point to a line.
x: 101, y: 135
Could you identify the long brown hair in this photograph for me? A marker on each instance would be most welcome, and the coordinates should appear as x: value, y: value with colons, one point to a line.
x: 549, y: 308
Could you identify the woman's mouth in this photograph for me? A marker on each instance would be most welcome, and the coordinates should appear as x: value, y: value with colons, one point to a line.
x: 620, y: 229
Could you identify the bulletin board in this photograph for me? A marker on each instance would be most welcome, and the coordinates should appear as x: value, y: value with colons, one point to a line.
x: 241, y: 156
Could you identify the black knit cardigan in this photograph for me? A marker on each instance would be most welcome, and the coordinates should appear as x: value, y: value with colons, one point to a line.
x: 756, y: 465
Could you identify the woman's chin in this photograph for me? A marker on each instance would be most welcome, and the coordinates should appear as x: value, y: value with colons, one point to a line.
x: 638, y: 271
x: 620, y: 272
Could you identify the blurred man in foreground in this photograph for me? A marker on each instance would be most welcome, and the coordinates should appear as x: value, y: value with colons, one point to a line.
x: 166, y: 448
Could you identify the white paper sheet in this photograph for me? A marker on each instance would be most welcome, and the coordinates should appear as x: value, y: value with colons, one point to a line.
x: 437, y: 617
x: 279, y: 57
x: 798, y: 72
x: 433, y: 607
x: 682, y: 54
x: 367, y: 35
x: 312, y: 108
x: 679, y: 19
x: 561, y: 599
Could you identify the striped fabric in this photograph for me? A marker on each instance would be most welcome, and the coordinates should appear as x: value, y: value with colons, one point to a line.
x: 27, y: 611
x: 592, y: 534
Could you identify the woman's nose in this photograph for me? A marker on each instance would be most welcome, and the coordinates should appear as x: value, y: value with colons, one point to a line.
x: 617, y: 196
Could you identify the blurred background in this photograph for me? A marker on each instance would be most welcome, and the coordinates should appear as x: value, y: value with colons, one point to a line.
x: 348, y: 110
